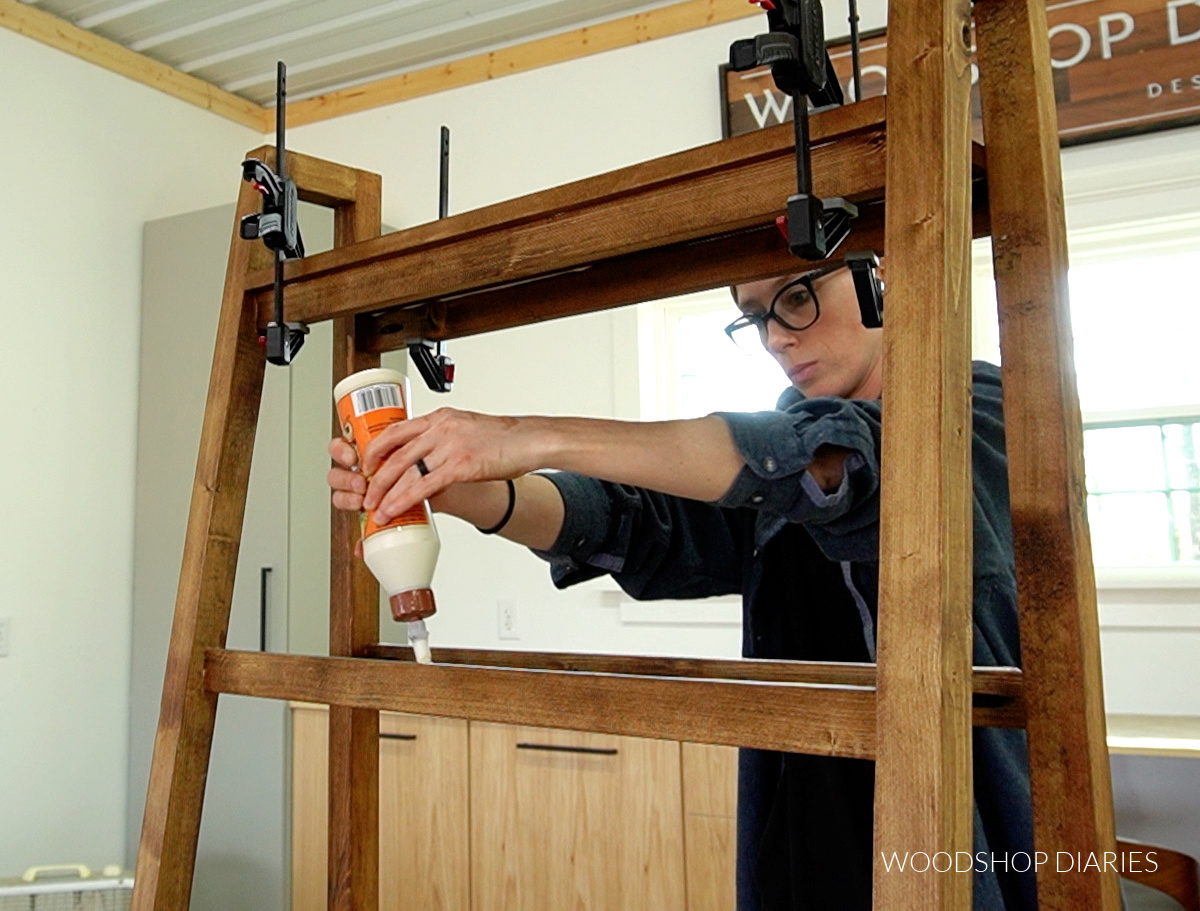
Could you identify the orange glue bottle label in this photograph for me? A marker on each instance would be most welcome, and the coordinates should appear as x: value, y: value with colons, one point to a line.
x: 364, y: 413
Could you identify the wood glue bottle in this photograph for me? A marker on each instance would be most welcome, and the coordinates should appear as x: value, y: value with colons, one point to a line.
x: 403, y: 553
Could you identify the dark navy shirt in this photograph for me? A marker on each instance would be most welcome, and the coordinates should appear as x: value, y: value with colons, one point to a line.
x: 806, y: 565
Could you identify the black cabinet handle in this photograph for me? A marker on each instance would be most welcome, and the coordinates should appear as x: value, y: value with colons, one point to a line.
x: 397, y: 736
x: 263, y: 575
x: 553, y: 748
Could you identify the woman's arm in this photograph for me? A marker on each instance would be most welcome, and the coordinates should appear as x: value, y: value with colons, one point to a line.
x: 463, y: 451
x: 695, y: 459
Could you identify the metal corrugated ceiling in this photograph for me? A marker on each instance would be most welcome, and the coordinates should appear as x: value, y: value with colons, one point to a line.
x: 326, y: 44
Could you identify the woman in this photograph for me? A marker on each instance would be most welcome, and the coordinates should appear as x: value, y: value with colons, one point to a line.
x: 781, y: 507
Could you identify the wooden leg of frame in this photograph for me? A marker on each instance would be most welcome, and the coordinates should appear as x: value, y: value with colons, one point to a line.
x: 923, y: 789
x: 171, y: 825
x: 353, y: 628
x: 1072, y: 795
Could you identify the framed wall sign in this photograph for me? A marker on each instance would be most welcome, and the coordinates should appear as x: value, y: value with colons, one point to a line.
x: 1120, y: 67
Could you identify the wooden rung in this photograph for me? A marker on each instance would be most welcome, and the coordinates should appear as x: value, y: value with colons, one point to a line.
x: 1003, y: 682
x: 734, y: 258
x: 833, y: 719
x: 825, y: 720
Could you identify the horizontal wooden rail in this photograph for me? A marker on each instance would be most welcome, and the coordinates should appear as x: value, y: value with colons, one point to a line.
x: 689, y: 221
x: 711, y: 190
x: 631, y: 279
x: 731, y: 258
x: 819, y: 717
x: 1003, y: 682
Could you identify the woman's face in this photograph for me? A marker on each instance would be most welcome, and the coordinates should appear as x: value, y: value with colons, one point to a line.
x: 836, y: 355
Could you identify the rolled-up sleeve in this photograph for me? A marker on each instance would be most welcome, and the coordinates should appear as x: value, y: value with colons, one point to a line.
x: 779, y: 446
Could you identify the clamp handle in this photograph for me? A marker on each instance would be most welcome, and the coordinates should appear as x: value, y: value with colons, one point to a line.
x: 864, y: 267
x: 277, y: 225
x: 435, y: 366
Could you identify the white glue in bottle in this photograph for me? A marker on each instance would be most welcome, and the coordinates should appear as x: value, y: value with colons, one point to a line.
x: 403, y: 553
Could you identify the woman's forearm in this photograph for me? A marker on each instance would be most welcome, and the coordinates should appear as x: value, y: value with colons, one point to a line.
x: 537, y: 515
x: 693, y: 458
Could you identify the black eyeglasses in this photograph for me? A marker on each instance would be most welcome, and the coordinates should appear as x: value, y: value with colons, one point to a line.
x: 795, y: 306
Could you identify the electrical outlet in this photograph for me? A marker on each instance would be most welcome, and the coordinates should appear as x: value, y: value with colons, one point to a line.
x: 5, y: 635
x: 506, y: 619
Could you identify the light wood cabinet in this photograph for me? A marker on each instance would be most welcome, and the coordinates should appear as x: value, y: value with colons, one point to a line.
x: 489, y: 817
x: 710, y: 825
x: 562, y: 819
x: 423, y: 821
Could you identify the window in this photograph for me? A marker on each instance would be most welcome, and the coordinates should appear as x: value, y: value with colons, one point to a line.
x: 1136, y: 319
x: 1143, y: 491
x: 689, y: 366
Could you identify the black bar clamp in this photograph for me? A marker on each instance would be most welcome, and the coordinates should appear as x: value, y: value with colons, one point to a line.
x: 278, y: 227
x: 795, y: 51
x: 433, y: 363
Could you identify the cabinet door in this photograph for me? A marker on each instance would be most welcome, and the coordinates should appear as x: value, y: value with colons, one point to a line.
x: 710, y: 825
x: 423, y: 818
x: 562, y: 820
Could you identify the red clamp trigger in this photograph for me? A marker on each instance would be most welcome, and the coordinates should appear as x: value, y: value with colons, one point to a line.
x: 765, y: 4
x: 782, y: 224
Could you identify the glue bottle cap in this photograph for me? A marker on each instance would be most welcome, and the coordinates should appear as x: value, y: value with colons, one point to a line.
x: 415, y: 604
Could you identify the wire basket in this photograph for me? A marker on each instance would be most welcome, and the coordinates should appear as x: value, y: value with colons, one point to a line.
x: 70, y: 887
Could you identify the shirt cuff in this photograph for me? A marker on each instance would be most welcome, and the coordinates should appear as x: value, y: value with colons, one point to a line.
x: 779, y: 447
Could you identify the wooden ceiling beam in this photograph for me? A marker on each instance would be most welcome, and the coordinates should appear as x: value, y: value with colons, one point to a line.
x: 61, y: 34
x: 664, y: 22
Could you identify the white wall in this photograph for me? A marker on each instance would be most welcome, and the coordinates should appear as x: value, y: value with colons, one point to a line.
x: 86, y: 158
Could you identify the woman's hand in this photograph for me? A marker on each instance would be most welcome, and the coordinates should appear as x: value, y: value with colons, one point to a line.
x: 344, y: 478
x: 423, y: 457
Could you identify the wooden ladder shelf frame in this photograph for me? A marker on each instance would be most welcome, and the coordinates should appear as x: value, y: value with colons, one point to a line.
x: 689, y: 221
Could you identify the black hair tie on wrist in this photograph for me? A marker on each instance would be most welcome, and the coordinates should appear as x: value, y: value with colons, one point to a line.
x: 512, y: 502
